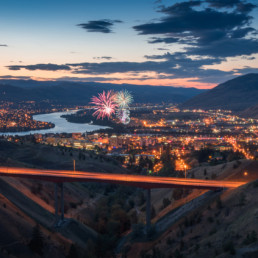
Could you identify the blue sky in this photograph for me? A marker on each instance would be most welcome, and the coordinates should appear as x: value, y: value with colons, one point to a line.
x: 138, y: 42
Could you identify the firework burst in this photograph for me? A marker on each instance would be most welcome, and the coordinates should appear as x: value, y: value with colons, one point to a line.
x: 105, y: 104
x: 123, y: 99
x: 123, y: 115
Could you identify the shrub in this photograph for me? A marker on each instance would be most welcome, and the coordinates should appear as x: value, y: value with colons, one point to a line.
x: 73, y: 205
x: 255, y: 184
x: 229, y: 247
x: 182, y: 244
x: 242, y: 199
x: 250, y: 238
x: 177, y: 193
x: 137, y: 230
x: 72, y: 252
x: 197, y: 247
x: 235, y: 166
x: 177, y: 254
x: 219, y: 203
x: 37, y: 242
x: 169, y: 241
x: 213, y: 176
x: 166, y: 202
x: 213, y: 231
x: 210, y: 220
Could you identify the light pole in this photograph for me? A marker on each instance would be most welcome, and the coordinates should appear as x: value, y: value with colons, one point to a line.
x: 74, y: 165
x: 185, y: 170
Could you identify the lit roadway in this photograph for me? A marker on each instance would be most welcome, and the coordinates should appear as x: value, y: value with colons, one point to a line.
x: 147, y: 182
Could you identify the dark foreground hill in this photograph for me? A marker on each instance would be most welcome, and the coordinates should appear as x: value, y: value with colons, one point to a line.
x: 224, y: 225
x: 237, y: 94
x: 81, y: 93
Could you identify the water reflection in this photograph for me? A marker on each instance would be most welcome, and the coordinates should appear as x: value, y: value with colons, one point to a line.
x: 61, y: 125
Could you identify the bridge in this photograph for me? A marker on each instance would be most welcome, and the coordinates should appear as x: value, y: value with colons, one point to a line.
x: 146, y: 182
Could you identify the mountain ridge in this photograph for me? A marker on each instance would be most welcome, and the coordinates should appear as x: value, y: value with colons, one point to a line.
x: 230, y: 95
x: 81, y: 93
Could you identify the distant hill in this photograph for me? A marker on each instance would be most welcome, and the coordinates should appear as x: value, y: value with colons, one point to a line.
x: 237, y: 94
x: 80, y: 93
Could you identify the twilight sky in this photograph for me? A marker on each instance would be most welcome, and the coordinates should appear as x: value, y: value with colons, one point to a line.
x: 171, y: 43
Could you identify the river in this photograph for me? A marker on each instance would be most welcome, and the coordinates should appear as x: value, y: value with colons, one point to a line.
x: 61, y: 125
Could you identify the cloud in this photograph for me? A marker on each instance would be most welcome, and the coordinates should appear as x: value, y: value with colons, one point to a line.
x: 246, y: 8
x: 154, y: 40
x: 118, y: 67
x: 87, y: 79
x: 3, y: 45
x: 248, y: 57
x: 180, y: 7
x: 11, y: 77
x: 102, y: 26
x: 162, y: 48
x: 194, y: 21
x: 176, y: 65
x: 223, y: 3
x: 167, y: 66
x: 246, y: 70
x: 103, y: 57
x: 239, y: 4
x: 44, y: 67
x: 227, y: 48
x: 205, y: 30
x: 241, y: 33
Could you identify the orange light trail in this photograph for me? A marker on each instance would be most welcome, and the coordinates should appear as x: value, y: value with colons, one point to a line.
x: 133, y: 180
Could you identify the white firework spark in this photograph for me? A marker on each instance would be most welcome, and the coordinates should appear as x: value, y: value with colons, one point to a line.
x: 123, y: 99
x: 123, y: 115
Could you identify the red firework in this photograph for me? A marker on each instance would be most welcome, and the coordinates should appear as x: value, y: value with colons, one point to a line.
x: 104, y: 104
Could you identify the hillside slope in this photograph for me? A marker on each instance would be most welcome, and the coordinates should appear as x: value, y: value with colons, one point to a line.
x: 237, y: 94
x: 224, y: 226
x: 26, y: 203
x: 251, y: 112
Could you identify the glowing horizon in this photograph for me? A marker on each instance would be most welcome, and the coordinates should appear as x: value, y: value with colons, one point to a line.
x: 130, y: 42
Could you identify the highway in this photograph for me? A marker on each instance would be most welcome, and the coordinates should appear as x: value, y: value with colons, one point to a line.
x: 146, y: 182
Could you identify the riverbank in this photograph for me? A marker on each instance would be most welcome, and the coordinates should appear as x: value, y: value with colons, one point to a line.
x: 61, y: 125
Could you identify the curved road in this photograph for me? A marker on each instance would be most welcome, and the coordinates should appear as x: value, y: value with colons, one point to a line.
x: 131, y: 180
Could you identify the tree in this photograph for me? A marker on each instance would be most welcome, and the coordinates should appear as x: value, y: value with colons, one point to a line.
x: 204, y: 154
x: 150, y: 164
x: 168, y: 162
x: 166, y: 202
x: 177, y: 193
x: 242, y: 199
x: 219, y: 203
x: 153, y: 212
x: 142, y: 162
x: 72, y: 252
x: 37, y: 242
